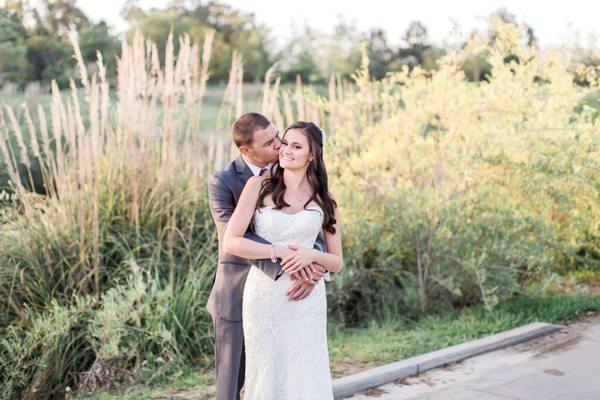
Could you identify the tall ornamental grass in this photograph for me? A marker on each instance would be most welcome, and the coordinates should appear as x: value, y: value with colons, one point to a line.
x: 104, y: 278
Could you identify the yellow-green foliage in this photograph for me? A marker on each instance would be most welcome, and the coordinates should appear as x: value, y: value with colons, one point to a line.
x: 584, y: 276
x: 448, y: 186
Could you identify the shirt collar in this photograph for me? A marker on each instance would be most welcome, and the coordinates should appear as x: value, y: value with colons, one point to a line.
x: 255, y: 169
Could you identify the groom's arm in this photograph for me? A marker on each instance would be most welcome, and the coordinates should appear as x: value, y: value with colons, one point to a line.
x: 222, y: 205
x: 270, y: 268
x: 322, y: 246
x: 273, y: 269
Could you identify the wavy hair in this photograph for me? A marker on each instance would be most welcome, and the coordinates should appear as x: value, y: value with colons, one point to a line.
x: 316, y: 175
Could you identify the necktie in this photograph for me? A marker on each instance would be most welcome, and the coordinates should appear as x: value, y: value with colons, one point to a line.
x: 262, y: 171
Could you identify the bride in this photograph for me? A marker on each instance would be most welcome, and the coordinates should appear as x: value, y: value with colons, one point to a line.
x: 286, y: 341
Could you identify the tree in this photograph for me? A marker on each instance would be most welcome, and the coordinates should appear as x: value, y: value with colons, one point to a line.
x: 17, y: 9
x: 131, y: 9
x: 340, y: 53
x: 60, y: 17
x: 299, y: 57
x: 528, y: 35
x: 417, y: 49
x: 416, y: 35
x: 157, y: 24
x: 379, y: 52
x: 96, y: 37
x: 476, y: 66
x: 13, y: 49
x: 48, y: 58
x: 235, y: 30
x: 34, y: 42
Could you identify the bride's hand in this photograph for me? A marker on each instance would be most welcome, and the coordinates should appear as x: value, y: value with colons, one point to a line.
x: 300, y: 258
x: 282, y: 252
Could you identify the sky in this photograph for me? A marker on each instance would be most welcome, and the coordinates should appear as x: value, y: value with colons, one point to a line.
x: 554, y: 22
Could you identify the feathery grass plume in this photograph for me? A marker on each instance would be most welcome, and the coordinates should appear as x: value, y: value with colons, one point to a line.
x: 228, y: 110
x: 299, y: 97
x: 267, y: 92
x: 16, y: 128
x: 201, y: 80
x: 287, y: 108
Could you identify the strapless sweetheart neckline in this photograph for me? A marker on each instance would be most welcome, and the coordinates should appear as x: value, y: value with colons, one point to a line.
x: 297, y: 212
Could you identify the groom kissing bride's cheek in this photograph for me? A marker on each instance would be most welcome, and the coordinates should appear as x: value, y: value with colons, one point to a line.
x: 279, y: 234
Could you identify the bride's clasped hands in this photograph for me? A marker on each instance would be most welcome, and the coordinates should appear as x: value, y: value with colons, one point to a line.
x: 305, y: 272
x: 299, y: 261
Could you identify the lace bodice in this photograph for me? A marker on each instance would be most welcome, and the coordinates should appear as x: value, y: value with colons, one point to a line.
x: 279, y: 227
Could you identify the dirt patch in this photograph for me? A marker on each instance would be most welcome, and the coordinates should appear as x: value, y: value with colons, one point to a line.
x: 585, y: 320
x: 375, y: 392
x: 341, y: 369
x: 570, y: 335
x: 554, y: 372
x: 594, y: 287
x: 560, y: 344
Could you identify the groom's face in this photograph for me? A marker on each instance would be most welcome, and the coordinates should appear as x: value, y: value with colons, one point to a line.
x: 265, y: 146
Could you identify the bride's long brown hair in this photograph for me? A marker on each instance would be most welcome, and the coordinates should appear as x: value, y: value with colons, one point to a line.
x: 316, y: 175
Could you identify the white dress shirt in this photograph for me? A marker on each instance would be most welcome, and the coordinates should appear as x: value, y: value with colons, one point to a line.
x: 255, y: 169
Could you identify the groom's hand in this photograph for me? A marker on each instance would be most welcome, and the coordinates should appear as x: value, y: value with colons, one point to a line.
x: 299, y: 290
x: 312, y: 274
x: 317, y: 271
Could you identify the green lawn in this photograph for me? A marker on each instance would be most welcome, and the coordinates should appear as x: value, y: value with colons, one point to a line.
x: 355, y: 349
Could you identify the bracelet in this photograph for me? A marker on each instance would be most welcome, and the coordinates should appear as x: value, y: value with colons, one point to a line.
x: 273, y: 258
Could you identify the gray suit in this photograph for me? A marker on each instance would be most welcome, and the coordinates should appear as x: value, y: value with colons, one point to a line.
x: 225, y: 300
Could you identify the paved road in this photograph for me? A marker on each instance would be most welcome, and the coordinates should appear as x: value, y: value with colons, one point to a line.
x: 561, y: 366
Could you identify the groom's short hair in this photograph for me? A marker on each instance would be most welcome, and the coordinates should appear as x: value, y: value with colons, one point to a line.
x: 246, y: 125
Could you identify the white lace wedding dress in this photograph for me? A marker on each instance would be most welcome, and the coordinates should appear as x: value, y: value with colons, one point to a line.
x: 286, y: 341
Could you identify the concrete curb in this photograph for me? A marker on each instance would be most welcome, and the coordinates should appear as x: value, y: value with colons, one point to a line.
x: 351, y: 384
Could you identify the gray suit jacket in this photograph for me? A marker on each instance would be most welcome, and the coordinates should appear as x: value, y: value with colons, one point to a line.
x: 224, y: 190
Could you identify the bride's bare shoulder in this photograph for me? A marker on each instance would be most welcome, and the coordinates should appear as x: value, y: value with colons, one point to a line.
x: 268, y: 201
x: 255, y: 182
x: 252, y: 188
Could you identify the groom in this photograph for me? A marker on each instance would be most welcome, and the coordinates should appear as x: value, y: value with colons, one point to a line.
x: 258, y: 142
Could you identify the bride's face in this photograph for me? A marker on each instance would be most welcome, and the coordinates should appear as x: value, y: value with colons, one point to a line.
x: 294, y: 152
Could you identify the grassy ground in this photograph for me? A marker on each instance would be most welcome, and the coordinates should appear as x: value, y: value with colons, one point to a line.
x: 352, y: 350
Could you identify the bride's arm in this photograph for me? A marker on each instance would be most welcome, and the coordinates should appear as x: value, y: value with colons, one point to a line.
x: 233, y: 239
x: 332, y: 260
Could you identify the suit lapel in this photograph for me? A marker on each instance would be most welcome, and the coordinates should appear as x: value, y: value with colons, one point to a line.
x: 243, y: 169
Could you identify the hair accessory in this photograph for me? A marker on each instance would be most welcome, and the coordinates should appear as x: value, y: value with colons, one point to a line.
x: 324, y: 137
